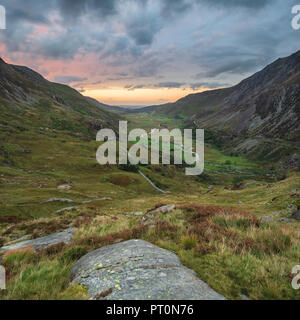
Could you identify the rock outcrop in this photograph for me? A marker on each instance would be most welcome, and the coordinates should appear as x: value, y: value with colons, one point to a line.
x: 42, y: 243
x: 137, y: 270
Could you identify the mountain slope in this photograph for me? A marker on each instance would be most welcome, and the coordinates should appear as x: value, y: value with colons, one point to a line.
x: 105, y: 106
x: 267, y: 103
x: 264, y: 107
x: 26, y: 98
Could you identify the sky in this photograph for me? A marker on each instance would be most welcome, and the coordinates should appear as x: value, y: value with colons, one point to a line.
x: 145, y: 52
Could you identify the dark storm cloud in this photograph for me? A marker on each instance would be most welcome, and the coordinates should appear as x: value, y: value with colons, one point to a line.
x: 31, y: 11
x: 180, y: 6
x: 210, y: 85
x: 71, y: 9
x: 170, y: 85
x: 143, y: 27
x: 229, y: 65
x: 254, y: 4
x: 135, y: 35
x: 167, y: 85
x: 171, y: 7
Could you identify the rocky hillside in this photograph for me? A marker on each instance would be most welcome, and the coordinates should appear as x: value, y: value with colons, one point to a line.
x: 26, y: 98
x: 264, y: 107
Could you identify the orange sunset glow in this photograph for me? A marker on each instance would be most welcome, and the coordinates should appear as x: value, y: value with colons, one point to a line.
x: 144, y: 96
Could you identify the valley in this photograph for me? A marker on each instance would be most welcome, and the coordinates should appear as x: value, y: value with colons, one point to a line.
x: 232, y: 225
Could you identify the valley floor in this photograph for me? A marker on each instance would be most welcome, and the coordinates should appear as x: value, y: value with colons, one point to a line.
x: 231, y: 225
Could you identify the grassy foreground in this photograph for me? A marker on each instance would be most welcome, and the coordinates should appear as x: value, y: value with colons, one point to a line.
x: 216, y: 228
x: 228, y: 246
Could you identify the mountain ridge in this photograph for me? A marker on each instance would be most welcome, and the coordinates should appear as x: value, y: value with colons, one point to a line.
x: 28, y: 98
x: 263, y: 107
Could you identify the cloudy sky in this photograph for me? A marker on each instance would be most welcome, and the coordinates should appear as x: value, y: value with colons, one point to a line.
x: 143, y: 52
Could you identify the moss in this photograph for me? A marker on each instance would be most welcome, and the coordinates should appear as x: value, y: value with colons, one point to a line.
x: 74, y: 292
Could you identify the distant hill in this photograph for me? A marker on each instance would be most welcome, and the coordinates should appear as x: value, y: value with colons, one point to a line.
x: 29, y: 100
x: 106, y: 106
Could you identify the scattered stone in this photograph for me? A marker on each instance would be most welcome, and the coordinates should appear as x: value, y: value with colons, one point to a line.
x: 240, y: 202
x: 163, y: 209
x: 136, y: 270
x: 266, y: 219
x: 287, y: 220
x: 296, y: 215
x: 64, y: 187
x: 277, y: 214
x: 66, y: 209
x: 58, y: 199
x: 291, y: 207
x: 136, y: 213
x: 44, y: 242
x: 99, y: 199
x: 149, y: 216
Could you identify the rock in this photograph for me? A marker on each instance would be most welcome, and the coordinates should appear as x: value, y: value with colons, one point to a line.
x: 136, y: 213
x: 240, y: 202
x: 291, y: 207
x: 149, y: 216
x: 64, y: 187
x: 137, y: 269
x: 59, y: 200
x: 44, y: 242
x: 296, y: 215
x: 99, y: 199
x: 66, y: 209
x: 163, y: 209
x: 287, y: 220
x: 266, y: 219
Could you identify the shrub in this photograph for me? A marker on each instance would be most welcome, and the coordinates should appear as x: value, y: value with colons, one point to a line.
x: 128, y: 168
x: 14, y: 260
x: 53, y: 249
x: 204, y: 248
x: 189, y: 243
x: 277, y: 241
x: 73, y: 254
x: 121, y: 180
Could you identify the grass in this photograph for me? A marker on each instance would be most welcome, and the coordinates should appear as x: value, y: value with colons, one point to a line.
x: 216, y: 229
x: 232, y: 250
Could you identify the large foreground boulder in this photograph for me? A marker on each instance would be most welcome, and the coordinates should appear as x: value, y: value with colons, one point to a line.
x: 137, y: 269
x: 42, y: 243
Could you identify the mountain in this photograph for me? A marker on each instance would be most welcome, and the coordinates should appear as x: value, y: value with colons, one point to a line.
x: 106, y: 106
x: 28, y: 100
x: 261, y: 109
